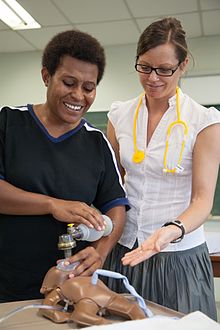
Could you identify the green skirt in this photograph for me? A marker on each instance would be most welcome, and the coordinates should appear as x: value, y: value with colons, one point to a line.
x: 181, y: 280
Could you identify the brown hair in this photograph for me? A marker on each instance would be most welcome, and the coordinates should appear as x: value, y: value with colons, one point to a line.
x: 77, y: 44
x: 166, y: 30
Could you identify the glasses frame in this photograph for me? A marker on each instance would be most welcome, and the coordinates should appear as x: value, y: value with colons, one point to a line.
x: 155, y: 69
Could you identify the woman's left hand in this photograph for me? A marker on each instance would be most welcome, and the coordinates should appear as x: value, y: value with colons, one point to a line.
x: 154, y: 244
x: 89, y: 260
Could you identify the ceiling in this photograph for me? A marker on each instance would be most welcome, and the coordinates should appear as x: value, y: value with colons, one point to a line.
x: 113, y: 22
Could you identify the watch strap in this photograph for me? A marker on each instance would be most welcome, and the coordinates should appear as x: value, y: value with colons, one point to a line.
x: 178, y: 224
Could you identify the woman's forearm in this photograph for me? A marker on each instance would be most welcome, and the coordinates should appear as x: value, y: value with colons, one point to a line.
x: 105, y: 245
x: 16, y: 201
x: 196, y: 214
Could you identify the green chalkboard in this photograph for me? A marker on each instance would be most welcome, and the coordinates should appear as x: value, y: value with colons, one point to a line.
x: 216, y: 205
x: 99, y: 120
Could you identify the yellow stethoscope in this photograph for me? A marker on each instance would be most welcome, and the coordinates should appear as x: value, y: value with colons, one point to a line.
x: 139, y: 155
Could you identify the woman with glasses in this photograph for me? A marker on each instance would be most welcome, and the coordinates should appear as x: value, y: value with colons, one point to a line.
x: 168, y: 150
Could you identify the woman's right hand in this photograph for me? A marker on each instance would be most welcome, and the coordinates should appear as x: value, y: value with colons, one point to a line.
x: 76, y: 212
x: 16, y: 201
x: 151, y: 246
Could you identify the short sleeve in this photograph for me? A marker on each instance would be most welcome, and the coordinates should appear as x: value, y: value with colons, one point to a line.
x: 110, y: 191
x: 209, y: 117
x: 113, y: 113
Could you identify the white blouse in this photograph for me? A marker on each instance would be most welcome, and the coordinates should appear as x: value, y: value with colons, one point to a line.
x: 155, y: 196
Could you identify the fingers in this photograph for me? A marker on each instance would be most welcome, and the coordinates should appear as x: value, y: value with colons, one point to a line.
x: 154, y: 244
x: 89, y: 260
x: 77, y: 212
x: 133, y: 261
x: 88, y: 216
x: 146, y: 250
x: 136, y: 256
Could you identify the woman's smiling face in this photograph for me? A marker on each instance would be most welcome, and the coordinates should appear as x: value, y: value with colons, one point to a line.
x: 164, y: 57
x: 71, y: 90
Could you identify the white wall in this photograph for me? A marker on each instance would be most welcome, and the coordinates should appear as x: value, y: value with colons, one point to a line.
x: 21, y: 81
x: 203, y: 81
x: 204, y: 89
x: 20, y: 78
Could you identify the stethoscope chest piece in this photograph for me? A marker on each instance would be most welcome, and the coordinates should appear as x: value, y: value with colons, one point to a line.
x: 138, y: 156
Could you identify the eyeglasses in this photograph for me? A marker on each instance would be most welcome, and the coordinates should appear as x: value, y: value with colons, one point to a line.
x: 159, y: 71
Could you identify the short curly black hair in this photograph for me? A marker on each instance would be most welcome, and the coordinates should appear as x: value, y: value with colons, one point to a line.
x: 77, y: 44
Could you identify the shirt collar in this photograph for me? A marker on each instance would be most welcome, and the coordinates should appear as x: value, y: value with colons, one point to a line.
x: 172, y: 99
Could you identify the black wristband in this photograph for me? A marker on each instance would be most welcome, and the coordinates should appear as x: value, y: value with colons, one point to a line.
x: 179, y: 225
